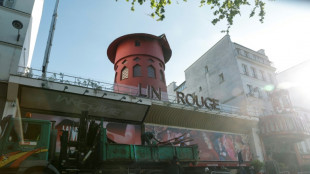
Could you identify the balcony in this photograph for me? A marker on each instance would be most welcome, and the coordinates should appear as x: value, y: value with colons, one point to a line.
x: 284, y: 128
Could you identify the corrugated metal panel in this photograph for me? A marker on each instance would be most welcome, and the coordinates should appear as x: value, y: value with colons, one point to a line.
x: 172, y: 116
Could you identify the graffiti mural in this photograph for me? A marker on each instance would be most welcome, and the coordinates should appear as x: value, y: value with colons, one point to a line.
x: 213, y: 146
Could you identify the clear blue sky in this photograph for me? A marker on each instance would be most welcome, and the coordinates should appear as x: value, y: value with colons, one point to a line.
x: 85, y: 29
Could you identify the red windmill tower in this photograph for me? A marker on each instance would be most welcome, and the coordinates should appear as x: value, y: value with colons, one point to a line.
x: 139, y: 63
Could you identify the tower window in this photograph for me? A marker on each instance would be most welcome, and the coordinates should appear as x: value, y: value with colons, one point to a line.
x: 137, y: 59
x: 137, y: 43
x: 124, y: 73
x: 151, y: 71
x: 151, y: 61
x: 115, y: 77
x: 124, y: 62
x: 162, y: 77
x: 137, y: 71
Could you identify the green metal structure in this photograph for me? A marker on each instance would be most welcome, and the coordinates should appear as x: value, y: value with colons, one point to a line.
x: 25, y: 147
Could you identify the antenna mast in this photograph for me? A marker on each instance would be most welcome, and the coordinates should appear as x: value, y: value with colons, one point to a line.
x: 49, y: 41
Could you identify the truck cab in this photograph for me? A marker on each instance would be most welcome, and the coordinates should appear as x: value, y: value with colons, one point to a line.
x: 24, y: 143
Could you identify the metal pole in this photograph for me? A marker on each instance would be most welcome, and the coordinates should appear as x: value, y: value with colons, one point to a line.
x: 49, y: 41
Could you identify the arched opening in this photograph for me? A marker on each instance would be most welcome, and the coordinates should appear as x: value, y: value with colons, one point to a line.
x: 137, y: 71
x: 151, y: 72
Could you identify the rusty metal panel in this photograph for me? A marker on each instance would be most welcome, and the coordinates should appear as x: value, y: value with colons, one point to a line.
x: 165, y: 153
x: 185, y: 153
x: 118, y: 152
x: 143, y: 153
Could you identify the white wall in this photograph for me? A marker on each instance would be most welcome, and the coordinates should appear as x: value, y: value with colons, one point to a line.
x: 10, y: 48
x: 31, y: 35
x: 218, y: 59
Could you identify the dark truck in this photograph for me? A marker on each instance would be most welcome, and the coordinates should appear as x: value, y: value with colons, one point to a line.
x: 28, y: 146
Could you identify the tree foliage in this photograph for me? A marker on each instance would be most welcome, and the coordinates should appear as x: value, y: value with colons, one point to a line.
x: 222, y: 9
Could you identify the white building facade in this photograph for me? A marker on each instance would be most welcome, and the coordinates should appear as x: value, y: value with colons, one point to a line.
x: 17, y: 45
x: 19, y: 25
x: 240, y: 78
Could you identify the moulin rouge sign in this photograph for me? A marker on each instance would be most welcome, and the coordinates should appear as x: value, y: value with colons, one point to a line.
x: 188, y: 99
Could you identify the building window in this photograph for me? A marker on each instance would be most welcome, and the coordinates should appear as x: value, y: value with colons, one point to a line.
x: 270, y: 78
x: 137, y: 43
x: 160, y: 65
x: 221, y: 78
x: 151, y: 71
x: 262, y: 75
x: 7, y: 3
x: 124, y: 73
x: 259, y: 93
x: 245, y: 69
x: 250, y: 89
x: 162, y: 77
x: 206, y: 69
x: 137, y: 59
x: 115, y: 77
x: 254, y: 74
x: 242, y: 52
x: 137, y: 71
x: 250, y: 55
x: 124, y: 62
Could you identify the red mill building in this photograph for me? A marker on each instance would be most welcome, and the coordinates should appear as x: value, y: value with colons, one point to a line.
x: 139, y: 63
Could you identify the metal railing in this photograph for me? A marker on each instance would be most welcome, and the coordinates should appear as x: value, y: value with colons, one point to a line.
x: 305, y: 172
x: 284, y: 172
x: 123, y: 89
x: 220, y: 172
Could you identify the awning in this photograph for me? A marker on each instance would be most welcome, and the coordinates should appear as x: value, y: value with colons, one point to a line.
x: 174, y: 115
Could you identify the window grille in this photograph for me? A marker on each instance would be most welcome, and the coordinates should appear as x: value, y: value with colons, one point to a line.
x: 124, y: 73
